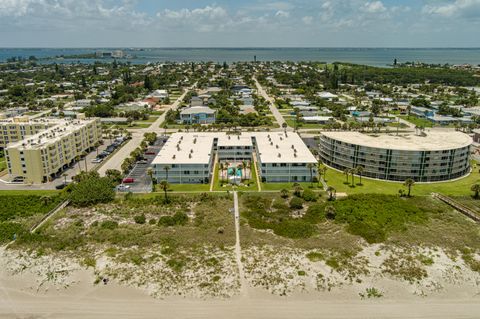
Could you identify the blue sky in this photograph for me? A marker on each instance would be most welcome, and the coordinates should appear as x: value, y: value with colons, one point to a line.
x: 240, y: 23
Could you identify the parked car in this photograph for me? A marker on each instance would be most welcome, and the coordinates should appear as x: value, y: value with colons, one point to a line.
x: 142, y: 161
x: 61, y: 186
x: 122, y: 187
x: 97, y: 160
x: 128, y: 180
x: 149, y: 152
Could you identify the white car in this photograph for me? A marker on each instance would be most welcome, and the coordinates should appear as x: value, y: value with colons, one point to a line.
x: 97, y: 160
x: 123, y: 187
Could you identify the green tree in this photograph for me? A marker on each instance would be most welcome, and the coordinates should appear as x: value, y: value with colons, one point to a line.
x: 360, y: 172
x: 331, y: 193
x: 346, y: 172
x: 92, y: 190
x: 114, y: 175
x: 409, y: 183
x: 476, y: 189
x: 166, y: 169
x: 164, y: 186
x: 310, y: 166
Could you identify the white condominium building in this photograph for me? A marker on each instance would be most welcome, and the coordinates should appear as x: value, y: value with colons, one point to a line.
x: 189, y: 157
x: 435, y: 156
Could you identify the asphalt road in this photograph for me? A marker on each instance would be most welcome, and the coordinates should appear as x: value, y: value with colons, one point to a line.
x: 271, y: 104
x: 115, y: 162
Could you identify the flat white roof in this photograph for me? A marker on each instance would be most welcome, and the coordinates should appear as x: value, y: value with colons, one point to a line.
x: 276, y: 147
x: 432, y: 141
x: 291, y: 147
x: 51, y: 134
x: 193, y: 148
x: 234, y: 140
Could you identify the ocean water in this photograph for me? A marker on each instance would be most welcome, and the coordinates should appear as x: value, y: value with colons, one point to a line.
x: 366, y: 56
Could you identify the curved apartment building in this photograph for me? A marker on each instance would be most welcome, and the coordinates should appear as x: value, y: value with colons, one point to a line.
x: 431, y: 157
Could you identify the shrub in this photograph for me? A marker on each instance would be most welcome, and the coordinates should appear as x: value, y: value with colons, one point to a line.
x: 309, y: 195
x: 109, y: 224
x: 176, y: 264
x: 330, y: 212
x: 315, y: 256
x: 296, y: 203
x: 284, y: 193
x: 179, y: 219
x: 92, y: 190
x: 140, y: 219
x: 15, y: 206
x: 8, y: 229
x: 294, y: 229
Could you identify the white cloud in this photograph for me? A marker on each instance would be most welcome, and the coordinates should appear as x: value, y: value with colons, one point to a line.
x: 374, y: 7
x: 307, y: 20
x: 457, y: 8
x: 282, y: 14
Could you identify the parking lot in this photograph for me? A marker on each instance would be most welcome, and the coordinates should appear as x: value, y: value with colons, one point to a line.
x: 142, y: 183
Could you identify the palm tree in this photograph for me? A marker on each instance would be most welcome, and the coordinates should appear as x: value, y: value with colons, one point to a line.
x: 77, y: 158
x: 150, y: 173
x: 331, y: 193
x: 324, y: 173
x: 221, y: 168
x: 284, y: 126
x: 234, y: 172
x: 475, y: 188
x: 346, y: 172
x: 310, y: 166
x: 166, y: 169
x: 244, y: 165
x: 65, y: 178
x: 84, y: 155
x: 297, y: 189
x: 353, y: 171
x: 284, y: 193
x: 97, y: 145
x: 249, y: 167
x: 240, y: 168
x: 409, y: 183
x: 359, y: 172
x: 164, y: 186
x: 45, y: 200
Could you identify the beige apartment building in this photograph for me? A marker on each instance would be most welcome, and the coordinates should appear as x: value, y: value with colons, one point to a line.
x: 43, y: 156
x: 17, y: 128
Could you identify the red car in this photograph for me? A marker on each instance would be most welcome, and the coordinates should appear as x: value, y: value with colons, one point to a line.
x: 128, y: 180
x: 149, y: 153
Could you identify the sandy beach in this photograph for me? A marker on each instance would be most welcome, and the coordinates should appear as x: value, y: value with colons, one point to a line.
x: 72, y: 294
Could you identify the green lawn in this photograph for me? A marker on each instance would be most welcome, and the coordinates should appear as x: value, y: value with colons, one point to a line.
x: 185, y: 188
x: 459, y: 187
x: 3, y: 163
x: 291, y: 122
x: 29, y: 192
x: 289, y: 186
x: 417, y: 121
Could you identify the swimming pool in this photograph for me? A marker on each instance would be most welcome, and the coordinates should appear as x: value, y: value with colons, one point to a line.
x: 230, y: 170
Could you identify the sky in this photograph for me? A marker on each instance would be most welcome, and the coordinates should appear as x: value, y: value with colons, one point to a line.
x: 239, y: 23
